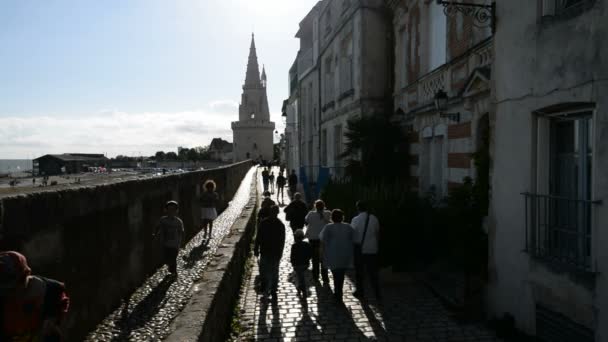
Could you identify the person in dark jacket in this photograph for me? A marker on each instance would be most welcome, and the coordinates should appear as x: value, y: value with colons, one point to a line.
x: 281, y: 186
x: 293, y: 182
x: 269, y: 244
x: 296, y: 212
x: 301, y: 253
x: 267, y: 203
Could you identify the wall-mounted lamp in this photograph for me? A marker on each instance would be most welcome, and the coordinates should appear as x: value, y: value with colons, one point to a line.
x: 441, y: 104
x: 483, y: 15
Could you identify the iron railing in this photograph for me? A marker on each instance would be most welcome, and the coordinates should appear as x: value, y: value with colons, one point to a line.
x: 558, y: 230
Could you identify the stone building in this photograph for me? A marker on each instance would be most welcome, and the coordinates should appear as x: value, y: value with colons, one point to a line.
x: 290, y: 114
x: 343, y: 72
x: 221, y: 150
x: 548, y: 237
x: 441, y: 91
x: 67, y: 163
x: 253, y: 133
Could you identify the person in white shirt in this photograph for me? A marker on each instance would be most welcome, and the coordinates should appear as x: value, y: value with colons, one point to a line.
x: 367, y: 235
x: 315, y: 221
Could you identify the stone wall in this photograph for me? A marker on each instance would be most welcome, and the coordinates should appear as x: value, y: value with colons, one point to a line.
x: 98, y: 239
x: 207, y: 316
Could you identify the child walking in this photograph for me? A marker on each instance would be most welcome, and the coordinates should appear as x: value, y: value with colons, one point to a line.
x: 171, y: 231
x: 301, y: 253
x: 209, y: 199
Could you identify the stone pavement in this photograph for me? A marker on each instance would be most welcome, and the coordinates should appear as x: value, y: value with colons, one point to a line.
x: 408, y: 312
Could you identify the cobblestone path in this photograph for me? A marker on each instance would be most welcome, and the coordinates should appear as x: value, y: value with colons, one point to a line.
x: 408, y: 312
x: 147, y: 314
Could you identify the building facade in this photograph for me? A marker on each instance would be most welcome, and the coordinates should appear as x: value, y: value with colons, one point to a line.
x: 67, y: 163
x: 253, y: 133
x: 343, y: 72
x: 548, y: 261
x: 448, y: 59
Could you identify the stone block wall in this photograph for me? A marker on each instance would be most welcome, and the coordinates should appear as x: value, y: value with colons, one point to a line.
x: 98, y: 239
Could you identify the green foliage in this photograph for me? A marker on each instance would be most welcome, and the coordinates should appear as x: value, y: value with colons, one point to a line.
x: 375, y: 150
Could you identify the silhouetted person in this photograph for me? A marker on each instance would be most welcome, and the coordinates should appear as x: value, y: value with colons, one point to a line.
x: 32, y: 306
x: 269, y: 244
x: 281, y: 181
x: 267, y: 203
x: 293, y: 182
x: 337, y: 247
x: 367, y: 235
x: 265, y: 178
x: 316, y: 220
x: 296, y: 212
x: 209, y: 199
x: 271, y: 181
x: 171, y: 231
x: 301, y: 254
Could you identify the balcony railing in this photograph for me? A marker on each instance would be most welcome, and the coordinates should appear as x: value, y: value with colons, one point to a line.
x: 558, y: 230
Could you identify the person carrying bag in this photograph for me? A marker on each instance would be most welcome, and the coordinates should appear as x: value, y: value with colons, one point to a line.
x: 365, y: 252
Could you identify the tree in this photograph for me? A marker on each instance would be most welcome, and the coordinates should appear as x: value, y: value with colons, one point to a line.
x: 170, y: 156
x: 160, y: 156
x: 192, y: 154
x: 183, y: 154
x: 375, y: 150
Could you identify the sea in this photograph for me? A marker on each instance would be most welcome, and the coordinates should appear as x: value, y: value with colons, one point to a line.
x: 15, y: 165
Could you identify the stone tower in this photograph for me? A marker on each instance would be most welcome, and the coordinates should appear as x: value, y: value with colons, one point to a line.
x: 252, y: 134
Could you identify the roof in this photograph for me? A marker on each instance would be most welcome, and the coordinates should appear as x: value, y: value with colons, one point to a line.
x: 75, y: 156
x: 218, y: 144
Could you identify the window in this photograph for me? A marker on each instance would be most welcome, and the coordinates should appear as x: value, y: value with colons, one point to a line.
x: 433, y: 161
x: 438, y: 36
x: 252, y: 115
x: 324, y: 147
x: 558, y: 220
x: 328, y: 90
x: 346, y: 66
x: 564, y: 8
x: 328, y: 21
x: 404, y: 58
x: 337, y: 144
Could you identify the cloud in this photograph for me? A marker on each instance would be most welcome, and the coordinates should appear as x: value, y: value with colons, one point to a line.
x: 114, y: 132
x: 225, y: 106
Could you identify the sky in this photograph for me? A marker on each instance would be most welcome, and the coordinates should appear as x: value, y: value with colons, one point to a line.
x: 133, y: 77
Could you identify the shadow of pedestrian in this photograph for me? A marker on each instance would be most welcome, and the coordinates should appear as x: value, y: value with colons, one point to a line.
x: 144, y: 310
x: 336, y: 319
x: 374, y: 322
x: 195, y: 255
x: 306, y: 328
x: 263, y: 331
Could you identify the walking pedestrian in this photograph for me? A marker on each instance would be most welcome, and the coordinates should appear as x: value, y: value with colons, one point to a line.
x: 171, y: 231
x: 31, y: 307
x: 293, y: 182
x: 337, y: 248
x: 265, y: 178
x: 367, y: 235
x: 271, y: 181
x: 301, y: 254
x: 296, y: 212
x: 281, y: 186
x: 267, y: 203
x: 316, y: 220
x: 209, y: 199
x: 269, y: 244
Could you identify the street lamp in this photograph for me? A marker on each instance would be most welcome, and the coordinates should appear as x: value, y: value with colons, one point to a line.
x: 441, y: 104
x: 483, y: 15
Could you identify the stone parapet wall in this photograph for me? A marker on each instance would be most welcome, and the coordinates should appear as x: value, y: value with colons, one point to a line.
x: 98, y: 239
x: 207, y: 316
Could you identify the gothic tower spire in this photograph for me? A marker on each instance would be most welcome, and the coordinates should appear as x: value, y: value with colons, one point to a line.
x: 252, y: 77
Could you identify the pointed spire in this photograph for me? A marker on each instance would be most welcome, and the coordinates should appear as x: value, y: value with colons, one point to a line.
x: 252, y: 77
